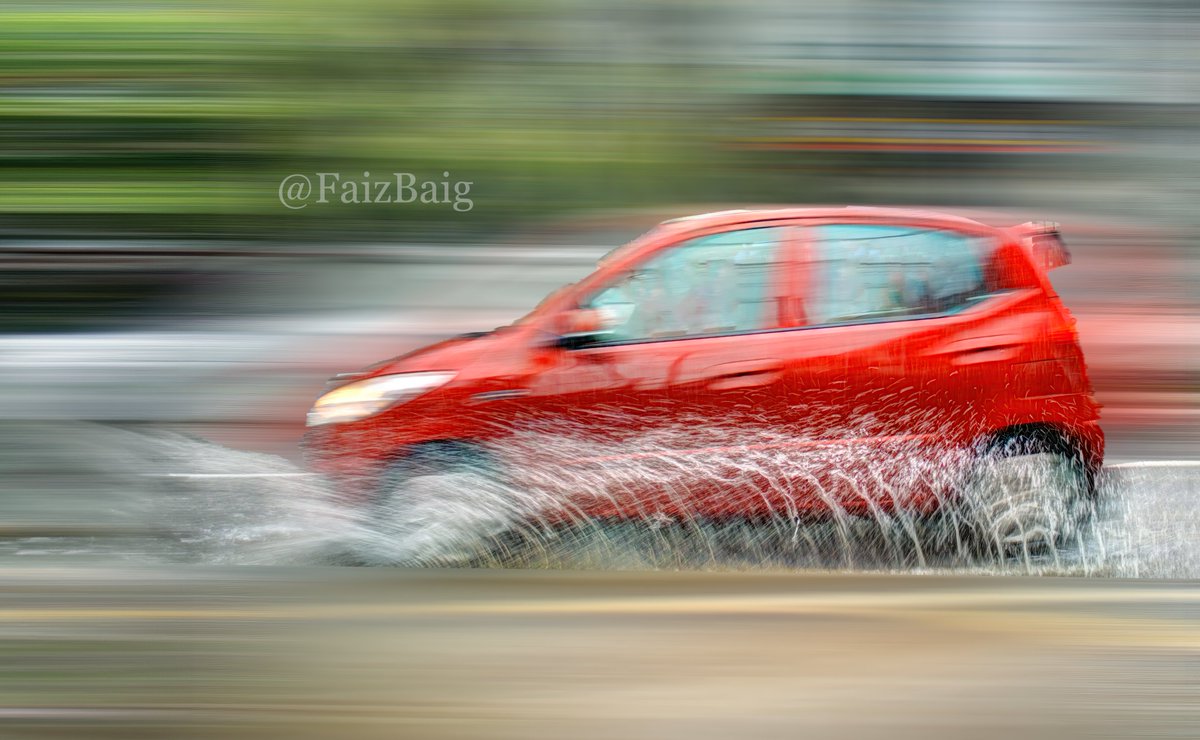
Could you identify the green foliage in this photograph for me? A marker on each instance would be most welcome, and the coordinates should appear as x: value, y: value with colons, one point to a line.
x: 180, y: 118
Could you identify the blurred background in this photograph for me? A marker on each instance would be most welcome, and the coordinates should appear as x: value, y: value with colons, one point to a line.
x: 152, y: 273
x: 151, y: 281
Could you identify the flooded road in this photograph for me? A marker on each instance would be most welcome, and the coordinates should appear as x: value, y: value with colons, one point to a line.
x: 135, y: 604
x: 118, y: 497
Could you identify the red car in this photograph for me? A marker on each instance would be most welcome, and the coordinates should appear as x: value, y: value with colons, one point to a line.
x: 798, y: 362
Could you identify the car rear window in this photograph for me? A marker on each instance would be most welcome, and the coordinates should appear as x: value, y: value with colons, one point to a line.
x: 866, y: 272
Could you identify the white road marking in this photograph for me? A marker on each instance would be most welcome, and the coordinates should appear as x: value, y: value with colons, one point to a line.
x: 229, y: 475
x: 1156, y: 464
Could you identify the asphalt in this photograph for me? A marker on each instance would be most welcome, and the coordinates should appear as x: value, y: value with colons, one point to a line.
x: 371, y: 653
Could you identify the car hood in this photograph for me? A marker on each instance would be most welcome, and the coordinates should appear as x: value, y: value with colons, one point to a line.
x: 455, y: 353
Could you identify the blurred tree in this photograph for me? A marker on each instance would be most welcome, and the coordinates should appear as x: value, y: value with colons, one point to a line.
x: 180, y: 119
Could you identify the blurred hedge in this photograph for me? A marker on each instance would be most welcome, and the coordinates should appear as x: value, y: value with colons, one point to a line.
x: 180, y: 118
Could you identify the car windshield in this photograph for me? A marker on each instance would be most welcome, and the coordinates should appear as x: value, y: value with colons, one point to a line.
x: 608, y: 257
x: 628, y: 246
x: 534, y: 311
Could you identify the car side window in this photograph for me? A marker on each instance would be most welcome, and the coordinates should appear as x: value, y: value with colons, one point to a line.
x: 725, y: 283
x: 864, y: 272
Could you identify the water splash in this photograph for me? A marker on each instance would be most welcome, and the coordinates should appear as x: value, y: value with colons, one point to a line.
x: 204, y: 503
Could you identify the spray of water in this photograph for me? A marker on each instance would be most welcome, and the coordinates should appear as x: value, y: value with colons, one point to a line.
x: 682, y: 497
x: 547, y: 498
x: 706, y: 495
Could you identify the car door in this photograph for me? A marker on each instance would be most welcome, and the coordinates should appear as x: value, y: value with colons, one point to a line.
x: 690, y: 370
x: 898, y: 314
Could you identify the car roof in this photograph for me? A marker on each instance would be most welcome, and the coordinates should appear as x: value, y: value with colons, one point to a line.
x: 854, y: 213
x: 673, y: 228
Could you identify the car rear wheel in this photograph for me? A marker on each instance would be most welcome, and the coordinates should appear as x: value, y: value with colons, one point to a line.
x: 1026, y: 496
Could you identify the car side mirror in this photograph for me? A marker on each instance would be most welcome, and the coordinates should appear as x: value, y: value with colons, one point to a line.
x: 579, y: 326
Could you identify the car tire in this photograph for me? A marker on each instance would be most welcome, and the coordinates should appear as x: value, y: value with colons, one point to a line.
x: 432, y: 458
x: 441, y: 503
x: 1027, y: 495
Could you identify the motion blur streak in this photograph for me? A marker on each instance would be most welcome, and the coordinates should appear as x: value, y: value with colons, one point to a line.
x: 322, y: 653
x: 165, y: 322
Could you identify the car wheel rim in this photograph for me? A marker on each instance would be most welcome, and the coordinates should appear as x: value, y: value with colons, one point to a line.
x: 1024, y: 503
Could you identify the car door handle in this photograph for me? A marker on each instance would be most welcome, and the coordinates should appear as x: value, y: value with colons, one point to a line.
x: 745, y: 374
x: 980, y: 355
x: 978, y: 350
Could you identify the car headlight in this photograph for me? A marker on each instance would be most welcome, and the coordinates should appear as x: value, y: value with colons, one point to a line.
x: 357, y: 400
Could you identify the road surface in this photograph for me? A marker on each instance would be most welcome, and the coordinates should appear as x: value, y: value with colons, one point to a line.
x: 354, y: 653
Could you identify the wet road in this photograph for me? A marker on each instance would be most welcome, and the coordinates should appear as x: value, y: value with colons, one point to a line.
x: 78, y: 494
x: 119, y: 627
x: 300, y: 653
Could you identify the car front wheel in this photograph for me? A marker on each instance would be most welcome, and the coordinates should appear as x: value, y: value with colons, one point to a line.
x: 439, y: 504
